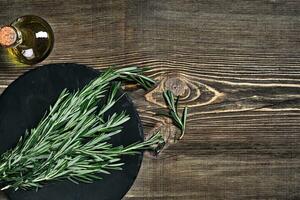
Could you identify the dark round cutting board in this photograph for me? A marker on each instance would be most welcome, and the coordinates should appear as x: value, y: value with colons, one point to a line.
x: 25, y: 102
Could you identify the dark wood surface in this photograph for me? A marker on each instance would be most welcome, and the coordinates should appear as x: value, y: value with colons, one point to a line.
x: 235, y: 63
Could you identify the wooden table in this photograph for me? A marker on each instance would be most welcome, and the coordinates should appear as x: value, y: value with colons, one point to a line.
x: 235, y: 63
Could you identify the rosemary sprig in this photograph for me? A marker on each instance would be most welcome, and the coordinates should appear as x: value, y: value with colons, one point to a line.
x: 137, y: 75
x: 72, y: 140
x: 173, y: 109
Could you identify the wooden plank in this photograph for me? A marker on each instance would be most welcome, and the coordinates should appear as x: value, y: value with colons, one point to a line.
x: 236, y: 64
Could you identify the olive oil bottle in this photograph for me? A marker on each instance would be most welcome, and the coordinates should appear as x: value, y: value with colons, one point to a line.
x: 29, y: 39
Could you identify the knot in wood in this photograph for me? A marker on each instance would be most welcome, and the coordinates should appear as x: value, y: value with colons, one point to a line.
x: 192, y: 92
x: 176, y: 85
x: 170, y: 135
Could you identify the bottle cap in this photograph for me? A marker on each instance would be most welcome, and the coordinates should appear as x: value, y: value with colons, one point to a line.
x: 8, y: 36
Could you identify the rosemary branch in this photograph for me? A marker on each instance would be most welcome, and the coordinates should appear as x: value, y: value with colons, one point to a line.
x: 137, y: 75
x: 72, y: 140
x: 173, y: 108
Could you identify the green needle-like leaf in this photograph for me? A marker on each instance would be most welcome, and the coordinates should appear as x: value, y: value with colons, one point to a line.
x: 183, y: 118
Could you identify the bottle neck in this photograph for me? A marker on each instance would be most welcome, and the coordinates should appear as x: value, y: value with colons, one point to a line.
x: 8, y: 36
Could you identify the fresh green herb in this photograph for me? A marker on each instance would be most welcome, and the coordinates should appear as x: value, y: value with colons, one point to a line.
x: 173, y: 111
x: 72, y: 140
x: 137, y: 75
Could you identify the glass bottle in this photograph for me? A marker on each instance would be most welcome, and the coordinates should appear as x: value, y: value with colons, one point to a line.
x: 29, y: 39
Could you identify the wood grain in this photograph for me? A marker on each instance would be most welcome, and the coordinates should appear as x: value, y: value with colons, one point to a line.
x: 236, y: 64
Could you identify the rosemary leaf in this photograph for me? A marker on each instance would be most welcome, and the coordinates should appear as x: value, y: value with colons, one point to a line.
x: 184, y: 116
